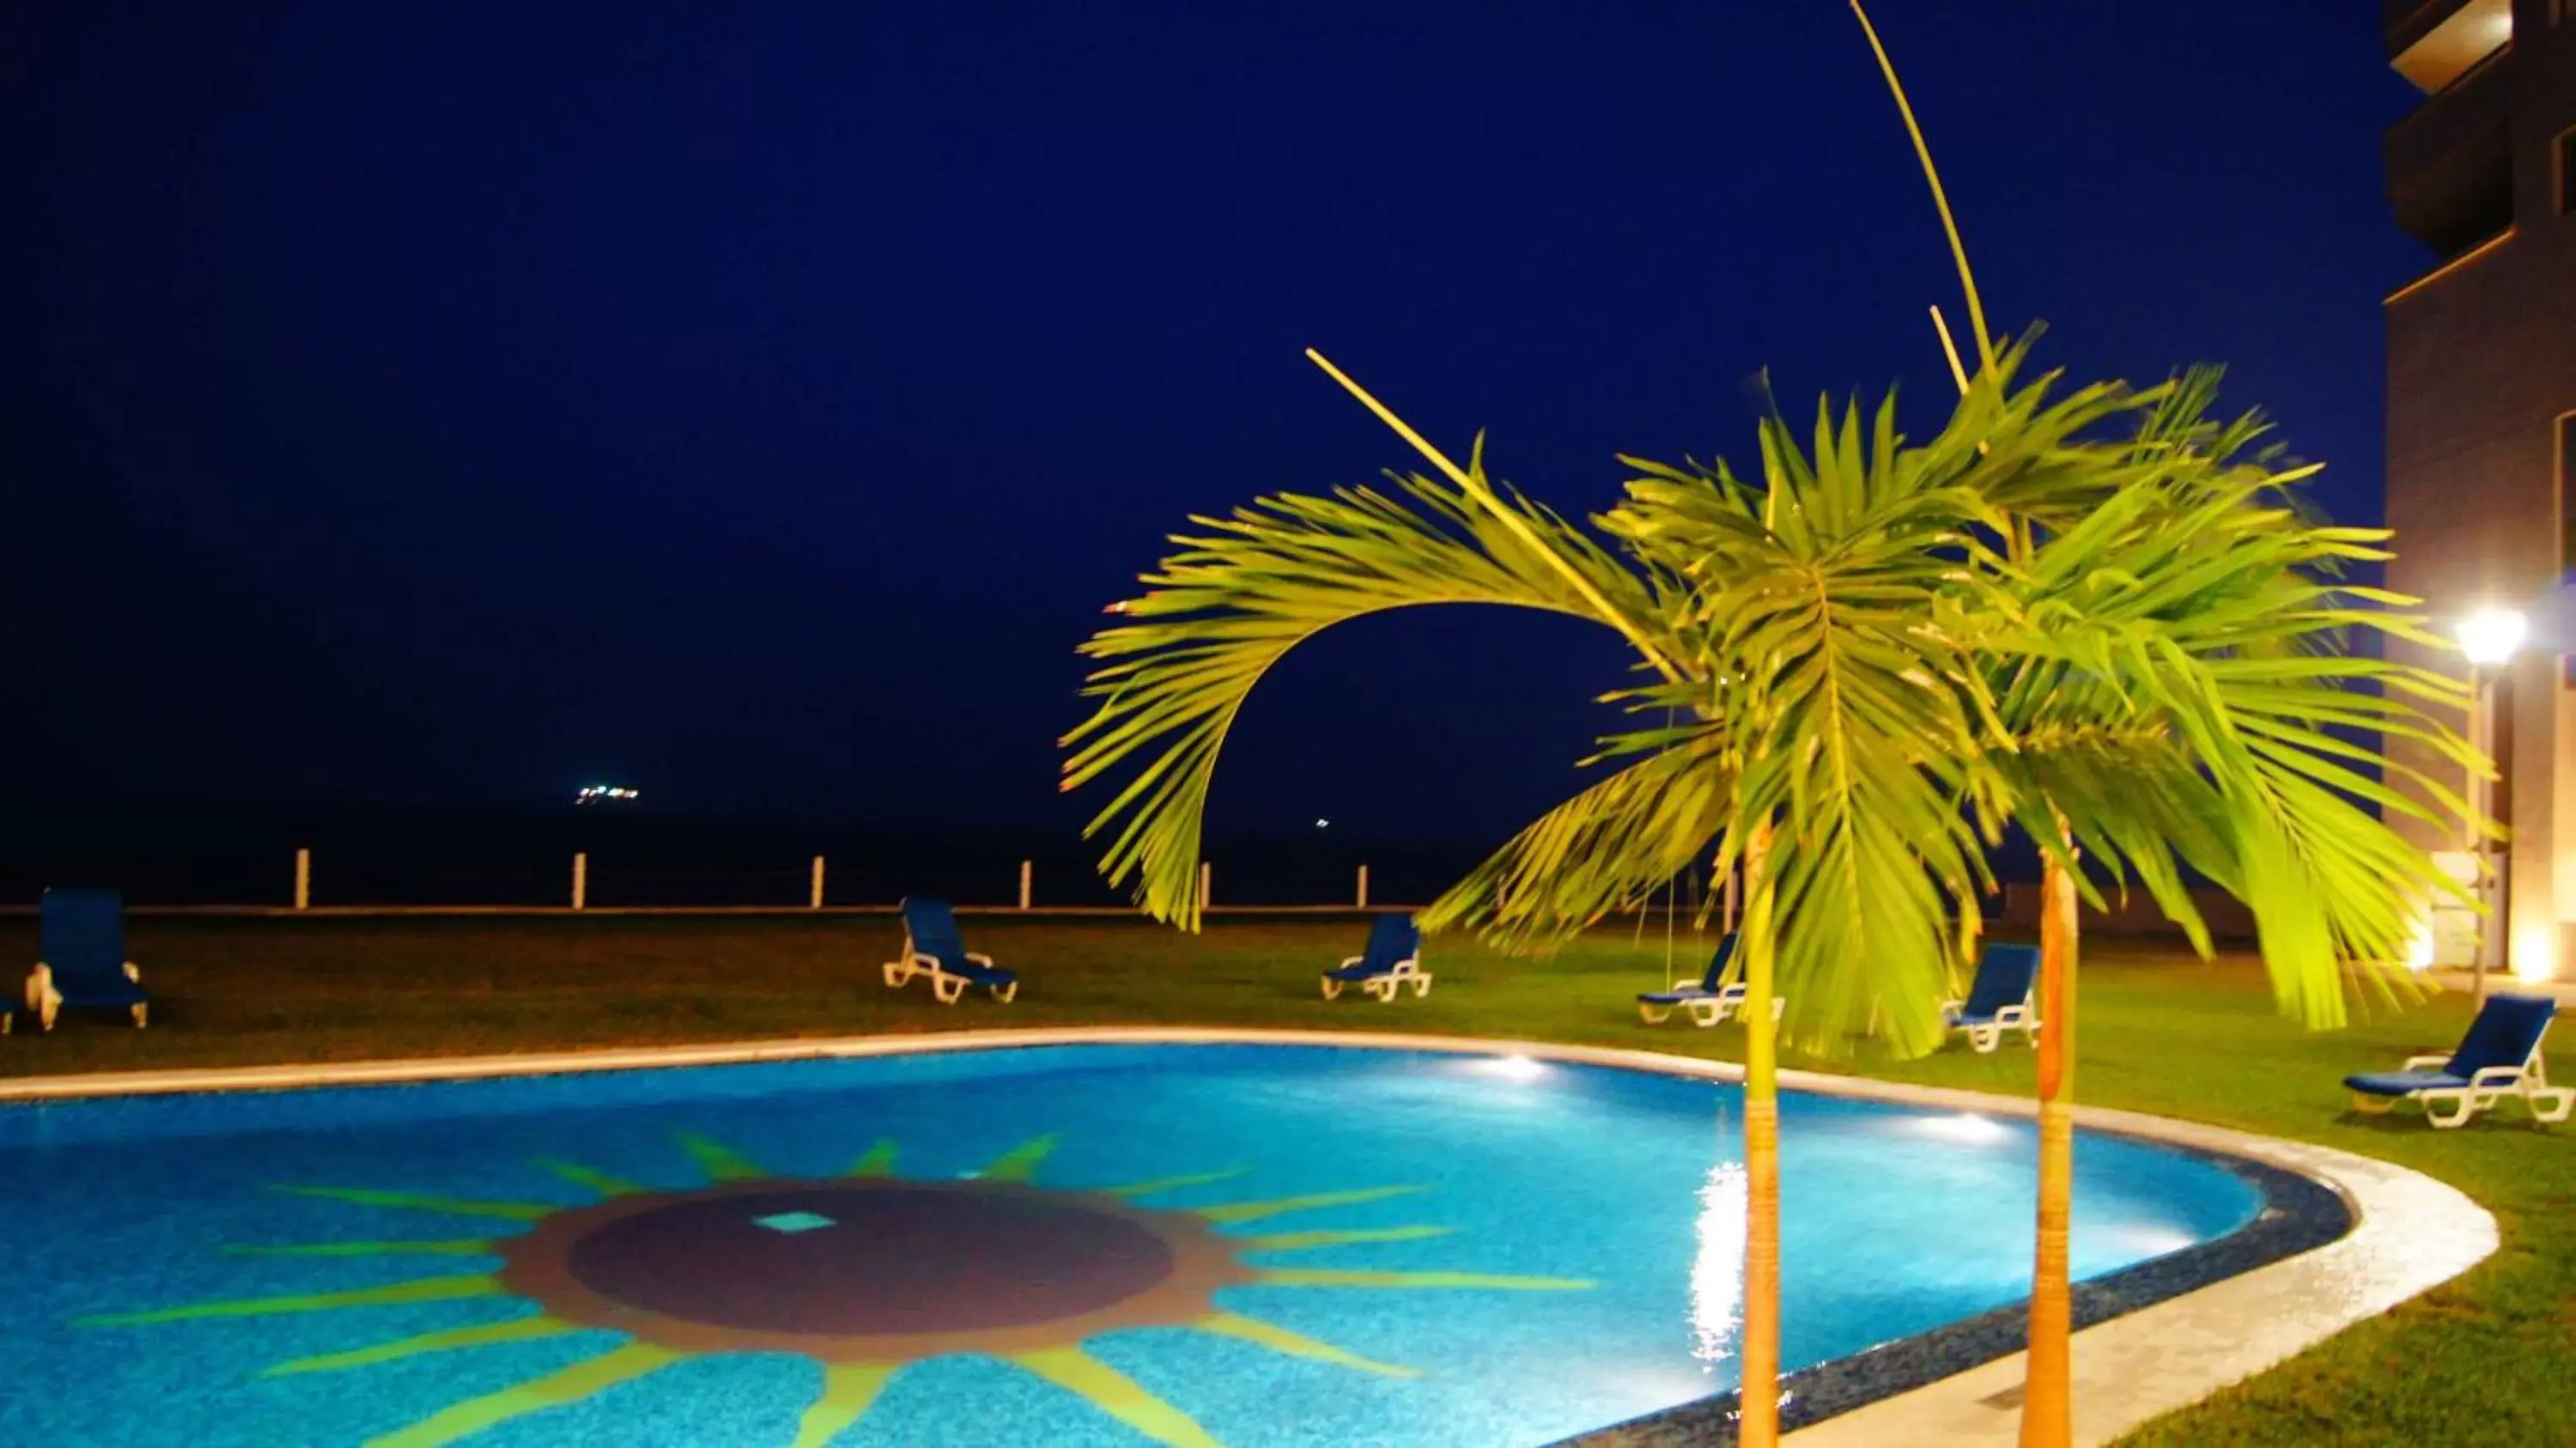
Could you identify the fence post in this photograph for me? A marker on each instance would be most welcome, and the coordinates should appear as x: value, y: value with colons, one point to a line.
x: 1363, y: 900
x: 818, y: 884
x: 580, y: 881
x: 1027, y: 869
x: 303, y: 879
x: 1207, y: 877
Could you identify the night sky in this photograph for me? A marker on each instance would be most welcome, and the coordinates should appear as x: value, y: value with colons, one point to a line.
x: 455, y: 404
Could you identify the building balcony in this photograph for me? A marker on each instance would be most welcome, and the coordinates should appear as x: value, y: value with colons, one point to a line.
x: 2449, y: 168
x: 2435, y: 42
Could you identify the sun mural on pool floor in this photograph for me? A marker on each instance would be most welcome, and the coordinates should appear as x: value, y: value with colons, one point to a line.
x: 861, y: 1273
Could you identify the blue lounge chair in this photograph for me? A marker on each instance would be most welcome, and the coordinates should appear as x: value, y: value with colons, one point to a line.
x: 1709, y: 1002
x: 2499, y: 1057
x: 1999, y: 1001
x: 84, y: 962
x: 1394, y: 959
x: 933, y: 948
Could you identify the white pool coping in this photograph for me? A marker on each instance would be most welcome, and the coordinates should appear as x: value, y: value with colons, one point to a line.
x: 2410, y: 1233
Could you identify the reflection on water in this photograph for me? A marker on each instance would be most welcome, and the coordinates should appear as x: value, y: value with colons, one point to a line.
x: 1717, y: 1273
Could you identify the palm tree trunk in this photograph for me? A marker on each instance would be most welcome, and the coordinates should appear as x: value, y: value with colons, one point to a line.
x: 2048, y: 1403
x: 1759, y: 1425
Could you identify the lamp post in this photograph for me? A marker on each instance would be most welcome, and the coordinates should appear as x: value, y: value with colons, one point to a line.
x: 2488, y: 639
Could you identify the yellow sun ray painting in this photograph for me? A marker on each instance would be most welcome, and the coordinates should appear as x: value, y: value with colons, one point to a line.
x: 861, y: 1274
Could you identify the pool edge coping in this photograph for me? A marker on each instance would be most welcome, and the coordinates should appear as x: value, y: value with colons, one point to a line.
x: 2409, y: 1232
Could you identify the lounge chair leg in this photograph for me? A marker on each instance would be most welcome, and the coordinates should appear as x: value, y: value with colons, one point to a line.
x: 141, y: 1013
x: 1652, y: 1016
x: 1422, y: 987
x: 2369, y: 1105
x: 2551, y: 1104
x: 1004, y: 993
x: 1332, y: 989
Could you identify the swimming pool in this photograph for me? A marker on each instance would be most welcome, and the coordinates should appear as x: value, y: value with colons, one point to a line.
x: 1096, y: 1244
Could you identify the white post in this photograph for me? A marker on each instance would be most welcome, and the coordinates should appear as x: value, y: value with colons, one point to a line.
x: 580, y: 881
x: 1207, y: 892
x: 2481, y: 798
x: 818, y: 884
x: 303, y: 879
x: 1362, y: 902
x: 1027, y: 870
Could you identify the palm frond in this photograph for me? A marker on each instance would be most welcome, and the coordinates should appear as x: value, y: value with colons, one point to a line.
x: 2200, y: 604
x: 1247, y: 588
x: 1607, y: 849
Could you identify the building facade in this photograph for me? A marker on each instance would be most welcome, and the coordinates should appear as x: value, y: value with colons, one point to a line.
x: 2482, y: 409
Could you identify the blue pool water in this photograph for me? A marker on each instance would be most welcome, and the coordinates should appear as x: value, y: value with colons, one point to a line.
x: 683, y: 1252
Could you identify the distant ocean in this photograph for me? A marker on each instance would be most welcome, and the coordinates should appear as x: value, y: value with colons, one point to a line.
x: 164, y: 853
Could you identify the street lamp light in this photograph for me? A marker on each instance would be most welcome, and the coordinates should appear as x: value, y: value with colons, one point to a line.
x: 2488, y: 639
x: 2490, y: 636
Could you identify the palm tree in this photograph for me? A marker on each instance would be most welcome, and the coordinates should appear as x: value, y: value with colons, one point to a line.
x: 1808, y: 629
x: 2182, y: 691
x: 2082, y: 610
x: 2175, y: 688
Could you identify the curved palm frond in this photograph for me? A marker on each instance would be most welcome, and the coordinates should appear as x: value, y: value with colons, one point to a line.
x: 1248, y: 588
x: 1608, y: 848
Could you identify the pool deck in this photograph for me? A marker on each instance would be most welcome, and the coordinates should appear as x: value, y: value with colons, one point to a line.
x: 2410, y: 1233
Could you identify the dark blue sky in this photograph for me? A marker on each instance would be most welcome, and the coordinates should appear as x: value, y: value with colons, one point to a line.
x: 454, y: 404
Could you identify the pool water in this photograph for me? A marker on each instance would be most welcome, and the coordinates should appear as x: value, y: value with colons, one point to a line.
x: 1247, y: 1245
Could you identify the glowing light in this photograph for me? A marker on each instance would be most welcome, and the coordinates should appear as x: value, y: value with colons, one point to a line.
x: 2142, y: 1240
x: 2490, y: 636
x: 597, y: 793
x: 1322, y: 823
x: 2419, y: 943
x: 2535, y: 953
x: 1964, y: 1129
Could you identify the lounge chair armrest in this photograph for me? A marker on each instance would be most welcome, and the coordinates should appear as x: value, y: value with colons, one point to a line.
x: 134, y: 972
x: 1958, y: 1004
x: 2488, y: 1078
x: 1349, y: 962
x: 985, y: 961
x: 2425, y: 1063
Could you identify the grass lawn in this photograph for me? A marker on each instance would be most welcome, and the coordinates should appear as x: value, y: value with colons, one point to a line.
x: 2483, y: 1360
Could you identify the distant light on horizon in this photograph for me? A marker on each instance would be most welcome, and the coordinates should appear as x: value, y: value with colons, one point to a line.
x: 601, y: 793
x: 1322, y: 823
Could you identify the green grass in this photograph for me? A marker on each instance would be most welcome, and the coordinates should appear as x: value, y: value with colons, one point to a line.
x: 2482, y: 1360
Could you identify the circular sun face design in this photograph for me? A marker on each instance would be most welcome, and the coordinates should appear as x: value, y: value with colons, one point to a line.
x: 872, y: 1271
x: 861, y: 1274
